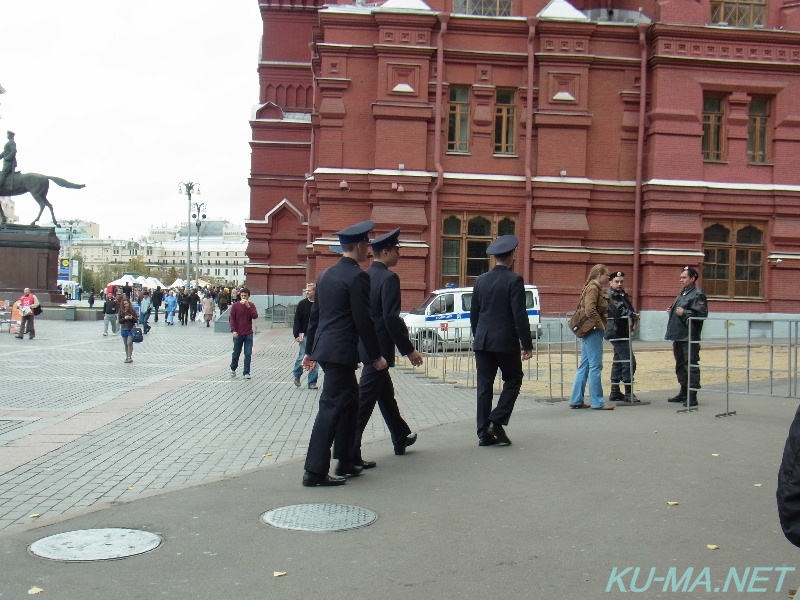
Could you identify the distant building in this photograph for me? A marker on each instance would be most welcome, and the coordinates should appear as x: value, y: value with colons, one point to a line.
x: 222, y: 255
x: 645, y: 135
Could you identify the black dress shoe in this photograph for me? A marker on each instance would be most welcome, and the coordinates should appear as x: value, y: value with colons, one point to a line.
x: 487, y: 440
x: 314, y: 479
x: 349, y: 469
x: 497, y: 431
x: 403, y: 443
x: 367, y: 464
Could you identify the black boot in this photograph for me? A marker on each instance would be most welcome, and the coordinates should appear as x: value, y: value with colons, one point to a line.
x: 629, y: 395
x: 692, y: 398
x: 615, y: 395
x: 680, y: 397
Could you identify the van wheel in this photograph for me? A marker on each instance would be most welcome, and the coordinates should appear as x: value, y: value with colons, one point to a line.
x: 426, y: 343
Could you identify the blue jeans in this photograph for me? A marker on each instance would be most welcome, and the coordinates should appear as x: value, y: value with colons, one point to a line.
x: 590, y: 369
x: 313, y: 374
x: 245, y: 341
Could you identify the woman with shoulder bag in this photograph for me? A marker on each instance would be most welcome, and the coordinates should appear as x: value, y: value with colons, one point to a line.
x: 595, y: 306
x: 128, y: 318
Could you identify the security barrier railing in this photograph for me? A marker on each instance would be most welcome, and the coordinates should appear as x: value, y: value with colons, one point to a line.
x: 761, y: 356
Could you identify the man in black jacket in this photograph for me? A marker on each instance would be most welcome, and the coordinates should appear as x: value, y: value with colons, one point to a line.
x: 499, y: 324
x: 691, y: 302
x: 376, y: 386
x: 194, y: 299
x: 788, y: 493
x: 299, y: 330
x: 157, y: 299
x: 339, y: 319
x: 622, y: 320
x: 110, y: 309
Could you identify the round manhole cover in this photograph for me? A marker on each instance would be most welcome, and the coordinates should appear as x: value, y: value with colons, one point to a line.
x: 95, y: 544
x: 319, y: 517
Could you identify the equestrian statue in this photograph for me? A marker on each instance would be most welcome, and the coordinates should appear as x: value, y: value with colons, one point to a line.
x: 14, y: 183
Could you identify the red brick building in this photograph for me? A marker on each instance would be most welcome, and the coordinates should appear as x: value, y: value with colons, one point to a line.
x: 460, y: 120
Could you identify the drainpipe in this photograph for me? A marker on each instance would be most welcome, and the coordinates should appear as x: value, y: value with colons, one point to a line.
x: 526, y: 257
x: 637, y: 215
x: 437, y: 155
x: 311, y: 153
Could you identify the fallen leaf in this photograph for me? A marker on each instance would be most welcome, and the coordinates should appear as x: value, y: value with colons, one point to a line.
x: 130, y: 487
x: 672, y: 503
x: 34, y: 516
x: 792, y: 593
x: 278, y: 573
x: 48, y: 469
x: 35, y: 590
x: 756, y: 485
x: 268, y: 454
x: 712, y: 546
x: 715, y: 455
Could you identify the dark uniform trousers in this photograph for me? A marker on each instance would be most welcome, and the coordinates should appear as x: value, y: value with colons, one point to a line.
x: 510, y: 365
x: 336, y: 418
x: 622, y: 363
x: 376, y: 386
x: 680, y: 350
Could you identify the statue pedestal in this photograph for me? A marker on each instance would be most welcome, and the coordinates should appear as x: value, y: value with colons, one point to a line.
x: 28, y: 258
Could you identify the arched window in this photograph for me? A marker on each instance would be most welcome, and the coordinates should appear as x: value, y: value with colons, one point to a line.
x: 734, y: 259
x: 464, y: 251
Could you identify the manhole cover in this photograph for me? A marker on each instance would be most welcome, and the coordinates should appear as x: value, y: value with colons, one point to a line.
x: 95, y: 544
x: 319, y: 517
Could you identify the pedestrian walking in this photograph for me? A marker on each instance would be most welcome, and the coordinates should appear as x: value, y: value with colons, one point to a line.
x: 27, y: 305
x: 594, y: 301
x: 157, y: 299
x: 194, y: 300
x: 110, y: 310
x: 500, y: 325
x: 622, y: 322
x: 299, y: 330
x: 170, y: 306
x: 376, y: 386
x: 339, y: 319
x: 224, y: 300
x: 91, y: 298
x: 241, y: 319
x: 691, y: 302
x: 145, y: 308
x: 183, y: 307
x: 788, y: 492
x: 208, y: 308
x: 127, y: 321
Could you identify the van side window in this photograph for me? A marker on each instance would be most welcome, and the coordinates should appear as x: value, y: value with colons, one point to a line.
x: 466, y: 302
x: 443, y: 304
x: 529, y: 301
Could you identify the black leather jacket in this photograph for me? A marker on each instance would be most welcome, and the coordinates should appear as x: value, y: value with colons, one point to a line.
x: 693, y: 301
x: 619, y: 309
x: 788, y: 493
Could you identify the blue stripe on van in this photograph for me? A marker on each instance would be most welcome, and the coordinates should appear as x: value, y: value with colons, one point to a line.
x: 532, y: 312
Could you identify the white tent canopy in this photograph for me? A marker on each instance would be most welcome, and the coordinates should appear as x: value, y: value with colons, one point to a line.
x: 123, y: 280
x: 154, y: 282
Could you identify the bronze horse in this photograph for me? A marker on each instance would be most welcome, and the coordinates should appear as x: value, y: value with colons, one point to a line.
x: 19, y: 183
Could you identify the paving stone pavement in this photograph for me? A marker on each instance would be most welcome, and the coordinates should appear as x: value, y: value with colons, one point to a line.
x: 79, y: 427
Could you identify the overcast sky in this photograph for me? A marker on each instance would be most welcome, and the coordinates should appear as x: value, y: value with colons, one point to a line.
x: 131, y: 98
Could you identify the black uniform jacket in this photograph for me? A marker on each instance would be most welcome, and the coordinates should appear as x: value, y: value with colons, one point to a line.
x: 693, y: 301
x: 301, y: 317
x: 789, y: 484
x: 497, y: 315
x: 384, y: 308
x: 340, y: 316
x: 619, y: 309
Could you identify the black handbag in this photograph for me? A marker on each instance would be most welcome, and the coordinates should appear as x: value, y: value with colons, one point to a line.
x: 37, y: 310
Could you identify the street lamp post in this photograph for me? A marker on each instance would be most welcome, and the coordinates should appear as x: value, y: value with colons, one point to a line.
x: 71, y: 226
x: 199, y: 216
x: 188, y: 189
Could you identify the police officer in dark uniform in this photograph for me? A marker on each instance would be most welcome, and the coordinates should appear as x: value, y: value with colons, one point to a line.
x: 499, y: 324
x: 339, y: 319
x: 621, y: 317
x: 376, y: 386
x: 691, y: 302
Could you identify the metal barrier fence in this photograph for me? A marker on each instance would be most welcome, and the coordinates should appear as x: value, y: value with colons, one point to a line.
x: 762, y: 357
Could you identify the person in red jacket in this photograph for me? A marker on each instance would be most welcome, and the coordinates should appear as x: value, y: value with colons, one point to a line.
x: 241, y: 319
x: 27, y: 304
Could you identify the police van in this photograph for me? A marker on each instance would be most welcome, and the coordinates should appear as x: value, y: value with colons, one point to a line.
x: 442, y: 320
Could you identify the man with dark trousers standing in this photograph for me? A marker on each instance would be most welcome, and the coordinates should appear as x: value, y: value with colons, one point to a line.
x: 499, y: 324
x: 299, y: 330
x: 158, y: 299
x: 339, y: 319
x: 691, y: 302
x: 376, y: 386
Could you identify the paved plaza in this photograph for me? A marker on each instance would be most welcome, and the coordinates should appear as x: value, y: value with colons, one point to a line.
x: 171, y: 444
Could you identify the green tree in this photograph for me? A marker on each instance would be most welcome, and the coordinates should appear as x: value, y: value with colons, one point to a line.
x: 137, y: 266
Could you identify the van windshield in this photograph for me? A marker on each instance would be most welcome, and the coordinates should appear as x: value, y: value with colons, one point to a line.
x: 421, y: 309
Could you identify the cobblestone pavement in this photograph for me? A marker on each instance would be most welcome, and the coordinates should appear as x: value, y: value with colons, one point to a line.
x: 79, y: 427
